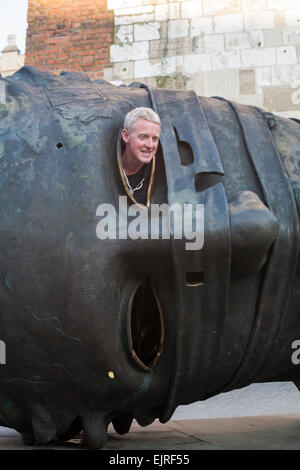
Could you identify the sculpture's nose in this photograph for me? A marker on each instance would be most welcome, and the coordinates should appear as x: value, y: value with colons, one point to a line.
x: 253, y: 230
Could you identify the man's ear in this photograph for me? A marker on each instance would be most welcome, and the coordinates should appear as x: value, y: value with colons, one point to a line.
x: 125, y: 135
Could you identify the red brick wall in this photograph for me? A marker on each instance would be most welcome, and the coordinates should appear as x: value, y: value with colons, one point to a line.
x: 69, y: 35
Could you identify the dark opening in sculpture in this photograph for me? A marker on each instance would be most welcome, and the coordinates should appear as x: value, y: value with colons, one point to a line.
x: 108, y: 330
x: 146, y: 326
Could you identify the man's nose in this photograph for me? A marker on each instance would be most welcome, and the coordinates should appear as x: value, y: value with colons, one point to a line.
x: 149, y: 143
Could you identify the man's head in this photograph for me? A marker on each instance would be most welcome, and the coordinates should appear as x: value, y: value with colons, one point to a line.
x: 141, y: 132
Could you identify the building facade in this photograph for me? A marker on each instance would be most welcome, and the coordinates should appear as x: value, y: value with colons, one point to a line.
x: 11, y: 59
x: 69, y: 36
x: 244, y: 50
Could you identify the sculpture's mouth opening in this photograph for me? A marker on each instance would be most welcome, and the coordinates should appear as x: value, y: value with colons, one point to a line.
x: 145, y: 325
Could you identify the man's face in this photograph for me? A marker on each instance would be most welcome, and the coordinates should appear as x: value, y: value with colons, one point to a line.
x: 142, y: 140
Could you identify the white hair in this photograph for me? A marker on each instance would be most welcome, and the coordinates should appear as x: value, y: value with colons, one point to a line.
x: 140, y: 113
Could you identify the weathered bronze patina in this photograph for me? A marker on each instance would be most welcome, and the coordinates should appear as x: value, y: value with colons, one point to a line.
x: 99, y: 331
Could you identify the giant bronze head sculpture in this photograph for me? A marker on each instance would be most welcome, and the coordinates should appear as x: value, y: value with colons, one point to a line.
x: 101, y: 329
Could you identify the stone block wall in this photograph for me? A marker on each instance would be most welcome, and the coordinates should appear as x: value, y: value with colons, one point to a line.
x: 69, y: 35
x: 244, y: 50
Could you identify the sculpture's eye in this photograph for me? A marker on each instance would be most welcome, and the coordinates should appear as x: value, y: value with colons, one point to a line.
x: 184, y: 150
x: 145, y: 325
